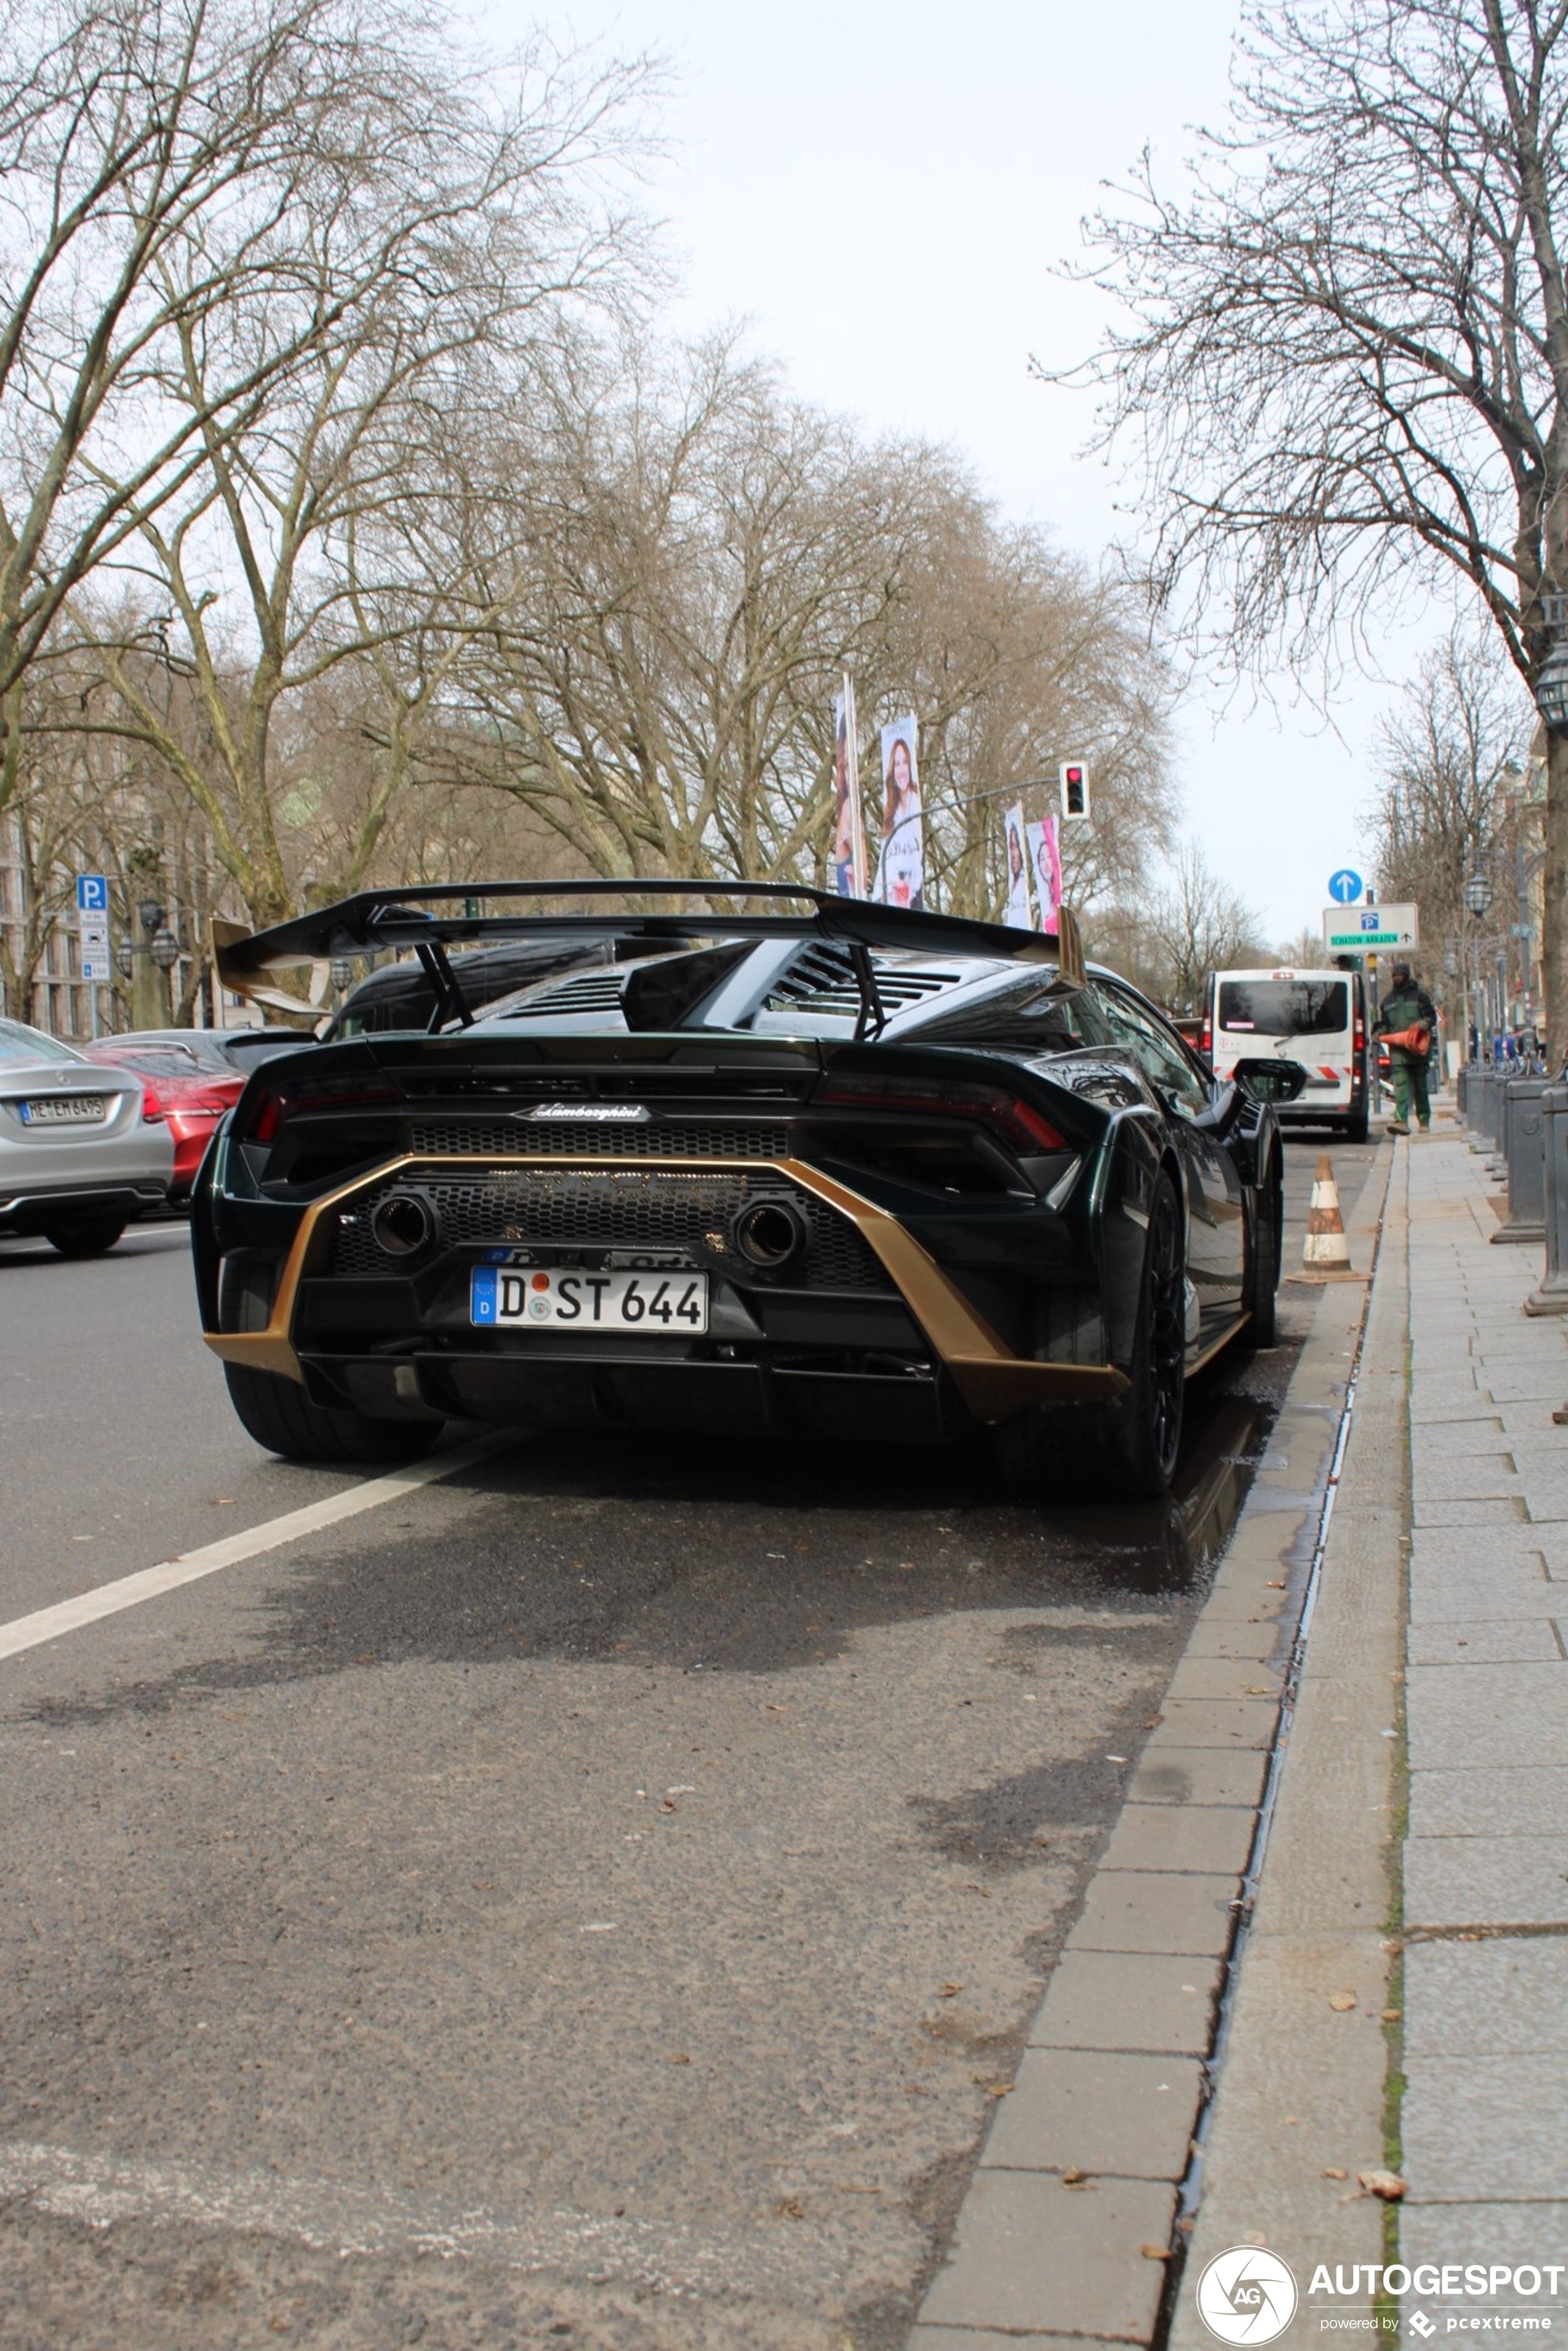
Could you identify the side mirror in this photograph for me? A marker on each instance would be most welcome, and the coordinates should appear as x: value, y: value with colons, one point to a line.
x: 1272, y: 1081
x: 1223, y: 1108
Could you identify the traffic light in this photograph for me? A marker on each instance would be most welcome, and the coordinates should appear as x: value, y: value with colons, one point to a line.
x: 1074, y: 788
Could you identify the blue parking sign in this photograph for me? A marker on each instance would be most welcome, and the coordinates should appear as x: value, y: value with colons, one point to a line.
x: 92, y: 893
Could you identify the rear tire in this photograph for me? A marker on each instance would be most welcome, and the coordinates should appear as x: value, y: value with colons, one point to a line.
x: 1358, y: 1125
x: 1125, y: 1451
x: 279, y: 1415
x: 88, y: 1237
x: 1260, y: 1287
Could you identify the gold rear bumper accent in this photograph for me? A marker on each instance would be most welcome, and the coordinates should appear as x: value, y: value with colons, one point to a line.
x: 994, y: 1383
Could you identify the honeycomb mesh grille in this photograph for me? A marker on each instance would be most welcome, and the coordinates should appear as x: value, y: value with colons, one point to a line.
x: 560, y: 1139
x: 612, y: 1207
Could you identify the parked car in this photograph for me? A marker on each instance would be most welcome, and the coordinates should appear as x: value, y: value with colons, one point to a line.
x: 228, y: 1050
x: 846, y: 1172
x: 83, y: 1149
x: 196, y: 1095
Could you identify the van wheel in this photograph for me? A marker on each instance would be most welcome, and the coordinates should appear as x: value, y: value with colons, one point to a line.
x: 1358, y: 1125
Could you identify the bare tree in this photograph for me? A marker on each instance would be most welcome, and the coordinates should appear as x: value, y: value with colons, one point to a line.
x: 1452, y: 760
x: 681, y: 560
x: 1198, y: 925
x: 1346, y: 366
x: 293, y: 543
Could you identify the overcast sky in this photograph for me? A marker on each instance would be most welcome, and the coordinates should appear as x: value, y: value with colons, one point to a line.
x: 881, y: 192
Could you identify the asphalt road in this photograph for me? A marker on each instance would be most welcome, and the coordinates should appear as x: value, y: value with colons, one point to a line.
x: 593, y: 1898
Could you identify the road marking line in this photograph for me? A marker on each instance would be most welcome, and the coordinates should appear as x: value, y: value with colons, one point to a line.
x: 349, y: 2219
x: 189, y: 1567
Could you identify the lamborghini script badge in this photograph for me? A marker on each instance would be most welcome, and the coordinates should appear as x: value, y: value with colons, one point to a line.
x: 579, y: 1111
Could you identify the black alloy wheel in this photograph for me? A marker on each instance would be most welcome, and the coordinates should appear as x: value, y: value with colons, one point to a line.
x: 1260, y: 1293
x: 1165, y: 1292
x: 1125, y: 1451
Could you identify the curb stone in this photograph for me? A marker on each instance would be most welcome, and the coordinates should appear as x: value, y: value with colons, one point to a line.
x: 1108, y: 2085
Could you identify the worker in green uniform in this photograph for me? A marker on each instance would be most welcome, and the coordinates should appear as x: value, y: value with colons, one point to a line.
x: 1407, y: 1003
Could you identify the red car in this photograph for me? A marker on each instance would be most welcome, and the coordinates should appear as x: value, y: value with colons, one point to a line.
x: 193, y: 1096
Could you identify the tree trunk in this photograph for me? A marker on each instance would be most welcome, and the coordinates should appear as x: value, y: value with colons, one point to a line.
x: 1554, y: 918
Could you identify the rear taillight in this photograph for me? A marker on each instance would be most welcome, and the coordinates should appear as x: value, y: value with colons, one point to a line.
x: 1019, y: 1122
x: 1360, y: 1034
x: 277, y: 1103
x: 1208, y: 1040
x: 151, y: 1108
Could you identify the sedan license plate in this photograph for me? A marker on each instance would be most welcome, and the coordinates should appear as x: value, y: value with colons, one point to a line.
x: 566, y: 1299
x: 65, y: 1110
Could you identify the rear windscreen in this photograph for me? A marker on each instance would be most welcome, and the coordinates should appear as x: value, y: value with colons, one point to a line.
x: 1285, y: 1008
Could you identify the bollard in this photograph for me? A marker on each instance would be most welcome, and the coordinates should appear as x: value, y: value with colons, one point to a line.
x: 1524, y: 1149
x: 1480, y: 1117
x: 1551, y: 1297
x: 1461, y: 1090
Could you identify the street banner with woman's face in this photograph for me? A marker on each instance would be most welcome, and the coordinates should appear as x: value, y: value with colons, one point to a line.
x: 1045, y: 864
x: 1017, y: 915
x: 900, y: 859
x: 849, y: 831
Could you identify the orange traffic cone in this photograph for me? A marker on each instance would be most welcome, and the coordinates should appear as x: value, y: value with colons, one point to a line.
x: 1326, y: 1256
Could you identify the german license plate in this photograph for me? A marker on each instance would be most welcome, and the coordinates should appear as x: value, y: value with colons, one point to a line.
x: 65, y: 1110
x: 565, y: 1298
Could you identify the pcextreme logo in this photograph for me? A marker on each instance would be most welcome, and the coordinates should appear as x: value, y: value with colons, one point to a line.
x: 1247, y: 2295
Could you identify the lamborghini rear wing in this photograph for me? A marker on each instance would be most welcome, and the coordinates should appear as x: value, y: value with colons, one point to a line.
x: 432, y: 920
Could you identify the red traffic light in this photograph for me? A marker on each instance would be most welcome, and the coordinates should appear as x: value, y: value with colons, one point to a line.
x: 1074, y: 788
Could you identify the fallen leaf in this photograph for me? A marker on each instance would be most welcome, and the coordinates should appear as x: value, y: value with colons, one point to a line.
x: 790, y: 2207
x: 1385, y: 2184
x: 682, y: 2059
x: 1342, y: 2000
x: 1155, y: 2252
x: 948, y: 1991
x: 1392, y: 2015
x: 1334, y: 2171
x: 1072, y: 2177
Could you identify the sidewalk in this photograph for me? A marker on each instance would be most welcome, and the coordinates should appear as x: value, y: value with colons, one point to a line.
x: 1389, y: 2005
x: 1485, y: 2139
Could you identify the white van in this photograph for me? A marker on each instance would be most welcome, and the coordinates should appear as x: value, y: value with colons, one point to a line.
x: 1316, y: 1018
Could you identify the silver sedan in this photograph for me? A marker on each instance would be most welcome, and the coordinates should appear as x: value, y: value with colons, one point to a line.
x: 83, y: 1149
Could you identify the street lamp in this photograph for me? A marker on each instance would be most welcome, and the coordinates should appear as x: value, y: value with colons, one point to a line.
x: 1478, y: 894
x: 1552, y: 684
x: 165, y: 947
x: 124, y: 959
x: 342, y: 971
x: 149, y: 914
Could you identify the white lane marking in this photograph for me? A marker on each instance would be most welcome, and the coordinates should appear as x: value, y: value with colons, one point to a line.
x: 189, y: 1567
x: 346, y: 2218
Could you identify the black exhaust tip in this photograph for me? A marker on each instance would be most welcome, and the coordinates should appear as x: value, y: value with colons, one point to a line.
x: 403, y: 1224
x: 769, y: 1234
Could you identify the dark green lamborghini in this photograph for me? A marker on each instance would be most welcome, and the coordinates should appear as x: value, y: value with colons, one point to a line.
x: 782, y: 1162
